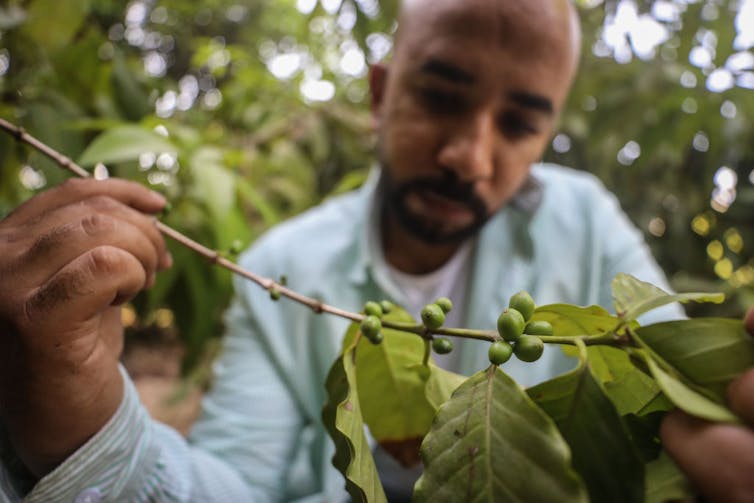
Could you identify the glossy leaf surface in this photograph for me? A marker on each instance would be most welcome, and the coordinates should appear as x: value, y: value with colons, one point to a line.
x: 602, y: 450
x: 399, y: 395
x: 124, y: 143
x: 633, y: 297
x: 490, y: 442
x: 710, y: 352
x: 686, y: 398
x: 630, y: 389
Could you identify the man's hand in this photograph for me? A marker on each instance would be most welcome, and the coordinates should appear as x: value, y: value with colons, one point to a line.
x: 718, y: 458
x: 68, y: 258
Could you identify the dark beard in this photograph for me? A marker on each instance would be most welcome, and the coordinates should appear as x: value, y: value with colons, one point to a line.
x: 447, y: 185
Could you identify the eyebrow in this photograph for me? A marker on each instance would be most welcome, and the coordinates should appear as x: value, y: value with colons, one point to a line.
x: 531, y: 100
x: 452, y: 73
x: 447, y: 71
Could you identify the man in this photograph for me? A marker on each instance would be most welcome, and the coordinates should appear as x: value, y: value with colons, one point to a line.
x: 464, y: 112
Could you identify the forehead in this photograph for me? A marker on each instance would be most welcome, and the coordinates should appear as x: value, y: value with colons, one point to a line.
x: 534, y: 33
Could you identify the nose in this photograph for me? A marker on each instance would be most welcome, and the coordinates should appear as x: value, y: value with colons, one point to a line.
x: 468, y: 150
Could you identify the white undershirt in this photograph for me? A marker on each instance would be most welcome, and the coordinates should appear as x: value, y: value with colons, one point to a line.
x: 447, y: 281
x: 419, y: 290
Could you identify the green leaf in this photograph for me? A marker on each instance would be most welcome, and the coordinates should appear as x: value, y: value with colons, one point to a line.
x: 603, y: 453
x: 645, y: 432
x: 124, y: 143
x: 634, y: 392
x: 441, y: 385
x: 342, y: 418
x: 53, y: 27
x: 214, y: 183
x: 628, y: 388
x: 491, y: 442
x: 665, y: 481
x: 633, y: 297
x: 128, y: 93
x: 251, y: 196
x: 399, y: 396
x: 568, y: 320
x: 686, y: 398
x: 710, y: 352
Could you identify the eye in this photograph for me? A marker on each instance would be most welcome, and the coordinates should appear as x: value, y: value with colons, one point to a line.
x: 441, y: 102
x: 516, y: 126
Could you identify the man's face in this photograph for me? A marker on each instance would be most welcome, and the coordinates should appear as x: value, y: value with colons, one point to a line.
x: 467, y: 105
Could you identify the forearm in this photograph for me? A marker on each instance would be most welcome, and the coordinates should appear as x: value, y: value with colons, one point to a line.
x: 36, y: 415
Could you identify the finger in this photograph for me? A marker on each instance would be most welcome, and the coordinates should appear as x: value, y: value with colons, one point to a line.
x: 717, y: 457
x: 76, y: 189
x: 84, y: 288
x: 741, y: 396
x: 100, y: 220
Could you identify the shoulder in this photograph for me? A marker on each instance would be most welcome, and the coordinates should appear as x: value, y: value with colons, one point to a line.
x: 562, y: 182
x: 573, y: 195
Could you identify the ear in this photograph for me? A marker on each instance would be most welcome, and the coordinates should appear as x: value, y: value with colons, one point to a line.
x: 377, y: 83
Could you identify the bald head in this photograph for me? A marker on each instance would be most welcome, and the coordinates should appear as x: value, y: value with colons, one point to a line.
x: 544, y: 28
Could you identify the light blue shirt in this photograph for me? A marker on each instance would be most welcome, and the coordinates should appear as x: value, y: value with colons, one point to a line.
x: 260, y: 437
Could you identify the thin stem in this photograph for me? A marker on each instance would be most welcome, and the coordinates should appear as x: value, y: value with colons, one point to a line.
x: 21, y: 135
x: 214, y: 257
x: 427, y: 352
x: 467, y: 333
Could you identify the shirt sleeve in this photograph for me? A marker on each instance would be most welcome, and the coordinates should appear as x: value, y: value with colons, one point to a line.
x: 626, y: 251
x: 133, y: 458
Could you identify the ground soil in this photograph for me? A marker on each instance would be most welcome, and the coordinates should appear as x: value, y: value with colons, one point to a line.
x: 154, y: 363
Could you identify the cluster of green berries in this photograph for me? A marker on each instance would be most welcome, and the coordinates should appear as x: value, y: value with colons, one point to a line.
x: 371, y: 325
x: 433, y: 317
x: 519, y: 334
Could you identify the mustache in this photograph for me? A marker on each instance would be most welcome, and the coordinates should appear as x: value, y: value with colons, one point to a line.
x: 447, y: 186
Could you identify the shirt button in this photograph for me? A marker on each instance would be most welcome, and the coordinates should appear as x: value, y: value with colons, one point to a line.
x: 91, y: 495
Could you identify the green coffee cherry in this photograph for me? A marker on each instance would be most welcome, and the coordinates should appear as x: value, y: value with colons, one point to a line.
x: 236, y: 247
x: 529, y: 348
x: 274, y: 293
x: 442, y: 346
x: 499, y: 352
x: 371, y: 327
x: 445, y: 304
x: 523, y: 303
x: 283, y: 280
x: 372, y: 308
x: 376, y: 338
x: 538, y: 328
x: 510, y: 324
x: 386, y: 306
x: 433, y: 316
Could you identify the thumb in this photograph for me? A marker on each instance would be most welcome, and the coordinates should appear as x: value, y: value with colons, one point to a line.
x: 85, y: 287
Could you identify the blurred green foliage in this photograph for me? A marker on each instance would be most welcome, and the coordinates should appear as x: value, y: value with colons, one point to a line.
x: 245, y: 112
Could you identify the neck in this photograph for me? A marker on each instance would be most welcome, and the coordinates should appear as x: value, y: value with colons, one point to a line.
x: 408, y: 254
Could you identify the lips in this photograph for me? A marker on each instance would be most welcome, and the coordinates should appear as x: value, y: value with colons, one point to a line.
x: 445, y: 211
